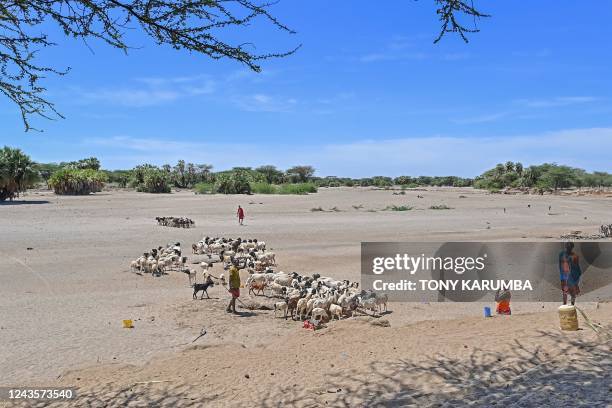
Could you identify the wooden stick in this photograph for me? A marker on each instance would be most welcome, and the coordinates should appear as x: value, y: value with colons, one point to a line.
x: 202, y: 333
x: 152, y: 382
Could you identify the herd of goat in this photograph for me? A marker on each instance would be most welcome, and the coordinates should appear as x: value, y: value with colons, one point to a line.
x: 176, y: 222
x: 314, y: 297
x: 160, y: 260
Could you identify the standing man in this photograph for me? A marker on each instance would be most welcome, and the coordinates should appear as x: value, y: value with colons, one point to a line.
x: 234, y: 286
x: 569, y: 272
x: 240, y: 214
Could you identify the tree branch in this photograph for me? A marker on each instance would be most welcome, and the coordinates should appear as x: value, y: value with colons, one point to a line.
x: 192, y: 25
x: 449, y: 12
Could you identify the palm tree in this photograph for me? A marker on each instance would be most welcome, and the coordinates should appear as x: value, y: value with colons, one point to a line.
x: 530, y: 177
x: 179, y: 174
x: 16, y: 172
x: 205, y: 172
x: 191, y: 175
x: 518, y: 167
x: 499, y: 170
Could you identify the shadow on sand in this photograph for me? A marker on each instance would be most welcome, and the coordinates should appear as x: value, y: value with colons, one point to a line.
x: 23, y: 202
x: 572, y: 373
x: 578, y: 374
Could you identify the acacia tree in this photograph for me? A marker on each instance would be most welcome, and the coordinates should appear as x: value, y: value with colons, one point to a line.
x: 300, y: 174
x: 195, y: 26
x: 271, y: 173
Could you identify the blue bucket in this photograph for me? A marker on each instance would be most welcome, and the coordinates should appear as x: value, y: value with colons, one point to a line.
x: 487, y: 311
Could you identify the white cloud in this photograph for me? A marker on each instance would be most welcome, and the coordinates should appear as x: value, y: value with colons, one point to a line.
x: 265, y: 103
x: 527, y: 109
x: 152, y: 91
x: 391, y: 55
x: 132, y: 97
x: 492, y: 117
x: 541, y: 53
x: 455, y: 56
x: 437, y: 155
x: 401, y: 48
x: 556, y: 101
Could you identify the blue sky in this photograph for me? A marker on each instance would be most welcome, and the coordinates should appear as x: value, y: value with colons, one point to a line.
x: 367, y: 94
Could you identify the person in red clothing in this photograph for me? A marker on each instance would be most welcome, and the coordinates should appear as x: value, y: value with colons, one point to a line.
x: 240, y: 214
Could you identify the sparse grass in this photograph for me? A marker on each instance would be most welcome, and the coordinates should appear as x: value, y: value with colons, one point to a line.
x: 440, y: 207
x: 398, y: 208
x: 263, y: 188
x: 204, y: 188
x: 298, y: 188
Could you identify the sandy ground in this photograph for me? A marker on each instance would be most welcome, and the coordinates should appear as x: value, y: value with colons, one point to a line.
x: 62, y: 303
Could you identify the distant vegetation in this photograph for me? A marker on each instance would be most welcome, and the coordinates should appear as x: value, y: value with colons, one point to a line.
x: 18, y: 172
x: 78, y: 177
x: 440, y: 207
x: 297, y: 188
x: 237, y: 181
x: 147, y: 178
x: 71, y: 181
x: 386, y: 182
x: 264, y: 188
x: 204, y: 188
x: 398, y: 208
x: 543, y: 177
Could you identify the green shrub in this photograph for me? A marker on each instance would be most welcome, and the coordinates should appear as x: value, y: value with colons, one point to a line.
x: 440, y: 207
x: 263, y: 188
x: 155, y: 181
x: 119, y: 177
x: 91, y: 163
x: 297, y: 188
x: 71, y: 181
x: 403, y: 180
x: 150, y: 179
x: 398, y: 208
x: 17, y: 173
x: 382, y: 182
x: 235, y: 182
x: 204, y: 188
